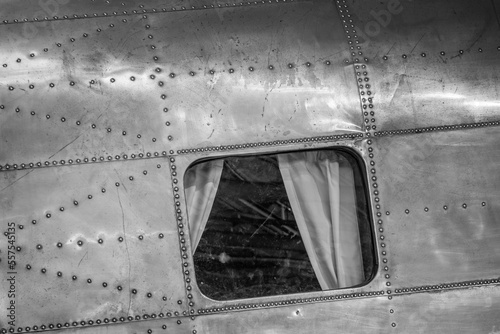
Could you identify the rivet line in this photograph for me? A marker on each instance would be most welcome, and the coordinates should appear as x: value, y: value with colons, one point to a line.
x: 149, y: 11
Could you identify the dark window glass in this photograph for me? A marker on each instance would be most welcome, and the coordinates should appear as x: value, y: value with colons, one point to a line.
x: 252, y: 244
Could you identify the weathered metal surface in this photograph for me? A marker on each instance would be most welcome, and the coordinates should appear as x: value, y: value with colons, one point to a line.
x: 143, y: 83
x: 347, y: 316
x: 458, y: 311
x: 92, y: 242
x: 430, y: 62
x: 246, y: 78
x: 439, y: 193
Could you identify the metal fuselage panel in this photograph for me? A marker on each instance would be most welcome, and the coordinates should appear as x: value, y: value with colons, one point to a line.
x: 105, y: 104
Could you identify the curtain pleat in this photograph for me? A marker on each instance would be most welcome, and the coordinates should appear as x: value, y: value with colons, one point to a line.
x: 201, y: 184
x: 320, y: 188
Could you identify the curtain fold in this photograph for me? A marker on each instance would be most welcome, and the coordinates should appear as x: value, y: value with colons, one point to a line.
x: 320, y: 188
x: 201, y: 184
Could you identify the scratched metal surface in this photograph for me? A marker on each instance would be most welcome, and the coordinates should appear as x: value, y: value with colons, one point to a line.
x: 458, y: 311
x: 62, y: 103
x: 103, y: 86
x: 110, y: 223
x: 441, y: 64
x: 440, y: 195
x: 144, y: 80
x: 349, y: 316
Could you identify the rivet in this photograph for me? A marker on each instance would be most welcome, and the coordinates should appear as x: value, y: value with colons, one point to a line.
x: 120, y: 239
x: 89, y: 281
x: 59, y: 274
x: 100, y: 241
x: 231, y: 70
x: 464, y: 206
x: 442, y: 53
x: 271, y: 67
x: 426, y: 209
x: 405, y: 56
x: 483, y: 204
x: 104, y: 284
x: 80, y: 243
x: 89, y: 196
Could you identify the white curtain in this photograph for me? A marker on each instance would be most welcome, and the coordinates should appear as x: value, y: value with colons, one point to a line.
x: 320, y: 187
x: 201, y: 183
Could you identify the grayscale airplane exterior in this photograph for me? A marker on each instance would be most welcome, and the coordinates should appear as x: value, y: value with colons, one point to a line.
x: 269, y: 166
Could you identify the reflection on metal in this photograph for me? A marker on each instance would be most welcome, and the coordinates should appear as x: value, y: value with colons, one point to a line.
x: 119, y: 98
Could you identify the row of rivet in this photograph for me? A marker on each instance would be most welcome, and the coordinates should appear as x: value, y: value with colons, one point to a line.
x: 378, y: 214
x: 361, y: 71
x: 272, y: 143
x: 291, y: 302
x: 93, y: 125
x: 437, y: 128
x: 442, y: 53
x: 85, y: 323
x: 445, y: 207
x: 367, y: 108
x: 448, y: 286
x: 101, y: 159
x: 182, y: 236
x: 142, y: 11
x: 48, y: 214
x: 79, y: 242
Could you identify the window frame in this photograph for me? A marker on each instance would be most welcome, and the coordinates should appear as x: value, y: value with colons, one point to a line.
x: 373, y: 285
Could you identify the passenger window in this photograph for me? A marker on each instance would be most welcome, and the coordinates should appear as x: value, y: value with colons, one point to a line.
x: 279, y: 224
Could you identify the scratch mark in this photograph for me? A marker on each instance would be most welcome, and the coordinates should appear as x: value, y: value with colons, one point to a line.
x: 264, y: 106
x: 71, y: 142
x: 17, y: 180
x: 211, y: 134
x: 390, y: 49
x: 86, y: 253
x: 126, y: 247
x: 496, y: 13
x: 119, y: 178
x: 417, y: 43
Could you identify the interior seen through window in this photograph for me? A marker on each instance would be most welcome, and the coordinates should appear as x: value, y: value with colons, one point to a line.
x: 275, y: 224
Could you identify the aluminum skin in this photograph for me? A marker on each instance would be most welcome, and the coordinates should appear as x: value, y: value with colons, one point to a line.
x: 105, y: 104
